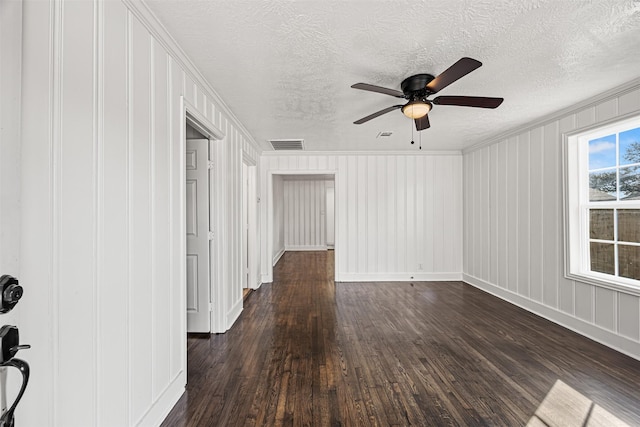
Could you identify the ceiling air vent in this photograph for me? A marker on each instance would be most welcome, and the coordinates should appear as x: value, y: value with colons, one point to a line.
x: 384, y: 134
x: 287, y: 144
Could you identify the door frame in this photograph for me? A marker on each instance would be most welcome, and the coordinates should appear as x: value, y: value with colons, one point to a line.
x: 254, y: 281
x: 190, y: 115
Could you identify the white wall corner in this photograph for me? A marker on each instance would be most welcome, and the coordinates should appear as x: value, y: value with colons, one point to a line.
x: 234, y: 313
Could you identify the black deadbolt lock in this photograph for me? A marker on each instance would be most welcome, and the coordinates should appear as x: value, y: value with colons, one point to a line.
x: 10, y: 293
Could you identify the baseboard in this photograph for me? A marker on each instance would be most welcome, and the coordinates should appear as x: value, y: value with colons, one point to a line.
x: 277, y: 257
x: 164, y: 403
x: 605, y: 337
x: 234, y: 313
x: 256, y: 284
x: 400, y: 277
x: 306, y: 248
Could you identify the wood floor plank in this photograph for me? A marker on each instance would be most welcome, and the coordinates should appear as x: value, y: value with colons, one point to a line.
x: 310, y: 352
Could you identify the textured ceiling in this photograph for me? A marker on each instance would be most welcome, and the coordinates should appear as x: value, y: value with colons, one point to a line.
x: 285, y: 67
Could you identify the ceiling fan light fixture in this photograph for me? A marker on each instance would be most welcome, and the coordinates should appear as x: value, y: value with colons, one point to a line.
x: 416, y: 109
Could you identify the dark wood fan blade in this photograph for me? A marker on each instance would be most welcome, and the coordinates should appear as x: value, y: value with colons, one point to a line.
x: 469, y: 101
x: 460, y: 69
x: 374, y: 88
x: 376, y: 114
x: 422, y: 123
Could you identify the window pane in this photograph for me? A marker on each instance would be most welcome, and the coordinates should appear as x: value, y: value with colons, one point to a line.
x: 630, y: 183
x: 630, y: 146
x: 602, y: 186
x: 602, y: 152
x: 629, y: 261
x: 601, y: 224
x: 628, y: 225
x: 602, y: 255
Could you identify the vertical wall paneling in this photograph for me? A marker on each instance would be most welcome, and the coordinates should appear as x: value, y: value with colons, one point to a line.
x: 605, y: 308
x: 141, y: 261
x: 551, y: 220
x: 176, y: 172
x: 512, y: 214
x: 455, y: 163
x: 411, y: 228
x: 472, y: 205
x: 466, y: 213
x: 483, y: 213
x: 535, y: 220
x: 381, y: 227
x: 525, y: 169
x: 279, y: 232
x: 392, y: 213
x: 501, y: 215
x: 363, y: 240
x: 372, y: 233
x: 161, y: 221
x: 566, y: 288
x: 102, y: 242
x: 352, y: 222
x: 584, y: 301
x: 492, y: 188
x: 629, y: 101
x: 304, y: 213
x: 113, y: 255
x: 629, y: 316
x: 397, y: 216
x: 523, y: 194
x: 400, y: 191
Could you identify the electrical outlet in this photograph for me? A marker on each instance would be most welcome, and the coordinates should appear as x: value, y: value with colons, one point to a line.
x: 419, y: 266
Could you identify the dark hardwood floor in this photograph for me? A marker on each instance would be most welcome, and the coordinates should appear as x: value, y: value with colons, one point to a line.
x: 306, y: 351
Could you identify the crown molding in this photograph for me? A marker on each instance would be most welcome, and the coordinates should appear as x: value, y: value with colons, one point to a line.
x: 142, y: 12
x: 363, y: 153
x: 558, y: 115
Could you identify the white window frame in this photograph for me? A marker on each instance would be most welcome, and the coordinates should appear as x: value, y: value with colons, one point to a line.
x: 577, y: 205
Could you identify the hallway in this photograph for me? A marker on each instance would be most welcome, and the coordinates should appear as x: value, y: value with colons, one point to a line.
x: 306, y: 351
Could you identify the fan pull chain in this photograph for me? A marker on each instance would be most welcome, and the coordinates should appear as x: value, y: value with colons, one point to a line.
x: 420, y: 140
x: 411, y: 124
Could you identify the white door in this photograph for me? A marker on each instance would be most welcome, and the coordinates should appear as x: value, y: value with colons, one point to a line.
x: 197, y: 191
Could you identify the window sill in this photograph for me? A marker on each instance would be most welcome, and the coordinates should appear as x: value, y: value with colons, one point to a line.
x: 604, y: 282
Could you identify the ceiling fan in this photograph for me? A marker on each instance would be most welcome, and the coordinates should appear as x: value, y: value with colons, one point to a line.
x: 416, y: 89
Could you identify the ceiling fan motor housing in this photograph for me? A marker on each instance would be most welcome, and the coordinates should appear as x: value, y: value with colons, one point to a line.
x: 415, y: 87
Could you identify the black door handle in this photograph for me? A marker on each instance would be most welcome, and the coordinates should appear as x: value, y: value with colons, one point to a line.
x: 7, y: 419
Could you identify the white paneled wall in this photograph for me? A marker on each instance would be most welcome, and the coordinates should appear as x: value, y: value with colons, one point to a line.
x: 278, y: 219
x: 398, y: 216
x: 513, y: 227
x: 103, y: 213
x: 305, y: 214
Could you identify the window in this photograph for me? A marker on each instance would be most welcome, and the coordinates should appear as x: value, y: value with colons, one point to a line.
x: 602, y: 205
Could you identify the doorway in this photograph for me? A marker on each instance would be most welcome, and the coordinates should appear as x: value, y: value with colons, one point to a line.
x: 198, y: 261
x: 298, y: 219
x: 201, y: 284
x: 250, y: 278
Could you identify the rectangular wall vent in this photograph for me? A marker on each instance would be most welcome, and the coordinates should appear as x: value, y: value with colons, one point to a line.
x: 287, y: 144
